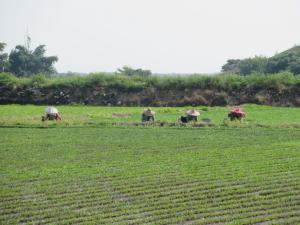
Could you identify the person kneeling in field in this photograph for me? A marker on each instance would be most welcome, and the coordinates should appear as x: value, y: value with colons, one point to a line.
x: 236, y: 114
x: 51, y: 114
x: 148, y: 115
x: 191, y: 115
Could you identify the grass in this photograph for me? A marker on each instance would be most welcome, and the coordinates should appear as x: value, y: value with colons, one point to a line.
x: 225, y: 82
x: 149, y: 175
x: 86, y: 171
x: 29, y: 115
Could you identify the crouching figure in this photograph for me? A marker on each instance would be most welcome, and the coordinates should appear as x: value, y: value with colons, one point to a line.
x: 190, y: 115
x: 236, y: 114
x: 51, y: 114
x: 148, y: 115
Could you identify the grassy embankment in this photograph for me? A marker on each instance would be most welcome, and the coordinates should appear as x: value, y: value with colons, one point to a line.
x: 99, y: 89
x: 225, y: 82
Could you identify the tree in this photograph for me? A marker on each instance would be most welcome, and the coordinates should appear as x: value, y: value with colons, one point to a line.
x: 284, y: 62
x: 253, y: 65
x: 26, y: 62
x: 288, y: 60
x: 128, y: 71
x: 232, y: 66
x: 3, y: 58
x: 246, y: 66
x: 294, y: 67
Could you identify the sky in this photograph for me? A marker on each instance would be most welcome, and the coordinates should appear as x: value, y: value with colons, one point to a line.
x: 165, y: 36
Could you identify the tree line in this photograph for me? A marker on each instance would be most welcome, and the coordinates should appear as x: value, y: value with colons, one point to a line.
x: 25, y: 62
x: 286, y: 61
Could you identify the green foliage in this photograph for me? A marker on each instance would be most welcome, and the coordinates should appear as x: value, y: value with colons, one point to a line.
x: 103, y: 89
x: 149, y: 176
x: 232, y: 66
x: 286, y: 61
x: 246, y: 66
x: 82, y: 116
x: 227, y: 82
x: 8, y: 80
x: 25, y: 62
x: 3, y: 58
x: 38, y: 80
x: 128, y: 71
x: 67, y: 82
x: 2, y: 46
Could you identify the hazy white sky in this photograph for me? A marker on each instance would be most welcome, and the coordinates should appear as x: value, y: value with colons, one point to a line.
x: 181, y: 36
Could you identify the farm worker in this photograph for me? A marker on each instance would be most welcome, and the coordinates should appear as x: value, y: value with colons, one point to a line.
x: 148, y: 115
x: 192, y: 115
x: 51, y: 114
x: 236, y: 113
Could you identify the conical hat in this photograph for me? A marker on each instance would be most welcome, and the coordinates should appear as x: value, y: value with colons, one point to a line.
x: 51, y: 110
x: 236, y: 110
x: 192, y: 112
x: 148, y: 112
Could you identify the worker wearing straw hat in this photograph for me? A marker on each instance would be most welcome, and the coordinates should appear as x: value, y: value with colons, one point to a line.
x: 51, y: 114
x: 148, y: 115
x: 236, y: 113
x: 191, y: 115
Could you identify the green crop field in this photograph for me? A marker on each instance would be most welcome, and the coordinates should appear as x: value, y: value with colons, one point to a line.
x: 257, y: 116
x: 88, y: 169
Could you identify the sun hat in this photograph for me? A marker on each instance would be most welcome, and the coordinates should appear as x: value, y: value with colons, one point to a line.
x: 51, y: 110
x: 148, y: 112
x: 192, y: 112
x: 237, y: 111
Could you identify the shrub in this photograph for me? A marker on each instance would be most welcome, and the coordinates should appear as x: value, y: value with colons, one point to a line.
x: 9, y: 80
x: 38, y: 80
x: 206, y: 90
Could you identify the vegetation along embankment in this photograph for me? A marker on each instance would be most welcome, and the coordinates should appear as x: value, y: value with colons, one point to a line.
x: 282, y: 89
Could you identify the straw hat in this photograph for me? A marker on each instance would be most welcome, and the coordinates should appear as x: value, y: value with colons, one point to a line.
x: 192, y: 112
x: 238, y: 110
x: 148, y: 112
x: 51, y: 110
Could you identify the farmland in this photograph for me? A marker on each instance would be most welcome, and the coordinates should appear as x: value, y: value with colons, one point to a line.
x: 29, y: 115
x: 88, y: 169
